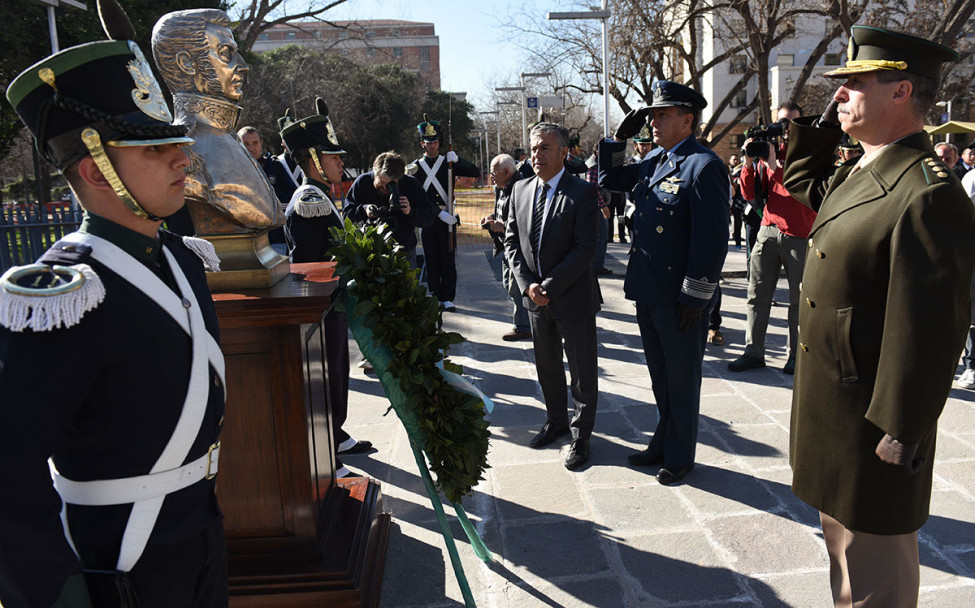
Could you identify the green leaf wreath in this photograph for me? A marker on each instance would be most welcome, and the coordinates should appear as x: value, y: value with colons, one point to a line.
x: 385, y: 297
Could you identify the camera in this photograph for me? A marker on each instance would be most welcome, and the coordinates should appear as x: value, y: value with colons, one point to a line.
x: 762, y: 137
x: 385, y: 213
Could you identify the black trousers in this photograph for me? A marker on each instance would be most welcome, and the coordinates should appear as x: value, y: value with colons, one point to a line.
x: 337, y: 374
x: 190, y: 574
x: 580, y: 350
x: 439, y: 259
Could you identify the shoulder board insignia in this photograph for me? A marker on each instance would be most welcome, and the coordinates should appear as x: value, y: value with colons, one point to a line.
x: 412, y: 168
x: 41, y: 297
x: 312, y: 204
x: 205, y: 251
x: 674, y: 179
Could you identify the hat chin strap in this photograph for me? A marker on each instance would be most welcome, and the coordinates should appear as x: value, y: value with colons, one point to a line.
x: 93, y: 142
x: 314, y: 158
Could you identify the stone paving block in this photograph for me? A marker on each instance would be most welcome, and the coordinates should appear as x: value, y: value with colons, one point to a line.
x: 719, y: 491
x: 936, y: 569
x: 623, y: 392
x: 961, y: 596
x: 644, y: 418
x: 967, y: 560
x: 758, y: 388
x: 509, y: 446
x: 779, y: 483
x: 639, y: 508
x: 950, y: 524
x: 794, y: 590
x: 712, y: 451
x: 679, y: 567
x: 562, y: 546
x: 758, y: 446
x: 608, y: 465
x: 614, y: 425
x: 763, y: 543
x: 595, y: 592
x: 958, y: 474
x: 950, y: 448
x: 732, y: 409
x: 522, y: 496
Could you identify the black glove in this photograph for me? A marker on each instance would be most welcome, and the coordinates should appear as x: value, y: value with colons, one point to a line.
x: 899, y: 454
x: 830, y: 118
x: 632, y: 123
x: 687, y: 317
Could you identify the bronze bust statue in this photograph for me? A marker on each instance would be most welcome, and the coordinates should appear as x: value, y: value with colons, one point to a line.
x: 226, y: 190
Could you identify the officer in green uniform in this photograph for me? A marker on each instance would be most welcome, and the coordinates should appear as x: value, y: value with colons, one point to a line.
x: 884, y: 313
x: 432, y: 170
x: 309, y: 217
x: 110, y: 369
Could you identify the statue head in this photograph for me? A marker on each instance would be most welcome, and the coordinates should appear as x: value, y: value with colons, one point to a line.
x: 196, y: 53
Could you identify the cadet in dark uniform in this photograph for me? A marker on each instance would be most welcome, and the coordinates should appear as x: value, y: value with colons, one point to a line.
x: 681, y: 192
x: 885, y: 311
x: 278, y: 174
x: 110, y: 367
x: 431, y: 170
x: 309, y: 217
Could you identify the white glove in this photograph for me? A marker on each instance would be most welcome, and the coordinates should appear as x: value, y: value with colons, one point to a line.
x: 447, y: 218
x: 452, y: 157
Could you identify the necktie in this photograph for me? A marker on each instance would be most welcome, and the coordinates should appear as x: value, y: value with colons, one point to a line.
x: 538, y: 215
x: 661, y: 161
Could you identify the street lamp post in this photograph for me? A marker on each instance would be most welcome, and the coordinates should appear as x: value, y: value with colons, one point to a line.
x: 522, y: 89
x: 947, y: 106
x: 603, y: 15
x: 497, y: 119
x: 498, y: 105
x: 524, y: 124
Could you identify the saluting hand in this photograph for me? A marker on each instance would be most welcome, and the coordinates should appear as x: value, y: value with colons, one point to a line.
x: 632, y: 123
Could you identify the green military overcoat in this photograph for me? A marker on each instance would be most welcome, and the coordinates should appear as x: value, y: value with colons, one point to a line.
x: 884, y: 310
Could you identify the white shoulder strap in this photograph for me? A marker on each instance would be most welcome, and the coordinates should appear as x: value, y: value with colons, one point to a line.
x: 187, y: 313
x: 432, y: 177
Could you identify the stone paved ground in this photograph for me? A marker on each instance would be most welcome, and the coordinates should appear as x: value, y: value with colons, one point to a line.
x: 609, y: 535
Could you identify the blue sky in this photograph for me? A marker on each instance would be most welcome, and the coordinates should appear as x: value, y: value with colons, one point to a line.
x: 473, y: 51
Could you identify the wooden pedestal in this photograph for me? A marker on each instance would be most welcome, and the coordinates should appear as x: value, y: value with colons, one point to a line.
x: 296, y: 536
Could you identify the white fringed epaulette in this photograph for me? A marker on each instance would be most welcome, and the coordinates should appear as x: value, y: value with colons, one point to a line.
x: 41, y: 297
x: 205, y: 251
x: 313, y: 205
x: 412, y: 168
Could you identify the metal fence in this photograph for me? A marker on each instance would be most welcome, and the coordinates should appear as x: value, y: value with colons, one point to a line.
x: 27, y: 231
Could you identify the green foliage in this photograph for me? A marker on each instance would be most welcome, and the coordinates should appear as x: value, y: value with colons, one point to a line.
x: 24, y: 39
x: 374, y: 108
x: 403, y: 318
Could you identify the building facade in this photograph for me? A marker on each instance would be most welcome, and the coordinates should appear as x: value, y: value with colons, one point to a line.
x: 410, y: 44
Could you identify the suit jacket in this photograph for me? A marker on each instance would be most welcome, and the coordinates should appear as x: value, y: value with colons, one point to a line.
x: 680, y: 227
x: 568, y: 246
x: 422, y: 212
x: 884, y: 312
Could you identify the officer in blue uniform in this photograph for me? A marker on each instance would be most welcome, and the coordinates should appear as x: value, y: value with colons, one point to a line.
x: 681, y: 198
x: 110, y: 368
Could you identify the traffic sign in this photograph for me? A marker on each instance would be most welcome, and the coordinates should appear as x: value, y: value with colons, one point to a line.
x: 532, y: 102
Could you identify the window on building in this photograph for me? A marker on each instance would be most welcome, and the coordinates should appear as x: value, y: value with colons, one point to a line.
x: 370, y: 52
x: 263, y: 36
x: 738, y: 64
x: 741, y: 98
x: 424, y: 58
x: 318, y: 33
x: 291, y: 36
x: 370, y: 33
x: 786, y: 60
x: 343, y: 34
x: 831, y: 59
x: 397, y: 33
x: 397, y: 51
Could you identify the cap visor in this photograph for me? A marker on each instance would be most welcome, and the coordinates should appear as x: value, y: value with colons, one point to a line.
x: 132, y: 143
x: 844, y: 71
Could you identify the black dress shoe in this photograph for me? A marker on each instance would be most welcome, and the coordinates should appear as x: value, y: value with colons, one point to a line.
x: 669, y: 475
x: 645, y: 458
x: 578, y: 454
x: 547, y: 435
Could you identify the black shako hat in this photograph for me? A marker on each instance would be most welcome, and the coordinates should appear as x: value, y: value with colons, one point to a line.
x: 106, y: 85
x: 429, y: 129
x: 311, y: 133
x: 872, y: 49
x: 668, y: 94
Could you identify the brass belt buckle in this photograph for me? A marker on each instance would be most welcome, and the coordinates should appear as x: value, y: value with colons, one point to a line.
x: 215, y: 446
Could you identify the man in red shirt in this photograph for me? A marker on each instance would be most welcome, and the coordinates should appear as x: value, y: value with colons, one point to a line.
x: 781, y: 242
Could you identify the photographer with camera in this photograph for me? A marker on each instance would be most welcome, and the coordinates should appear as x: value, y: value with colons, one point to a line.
x: 386, y: 195
x: 781, y: 239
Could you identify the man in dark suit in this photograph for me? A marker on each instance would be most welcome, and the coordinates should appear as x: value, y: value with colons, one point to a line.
x: 682, y: 195
x: 550, y: 242
x: 886, y: 306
